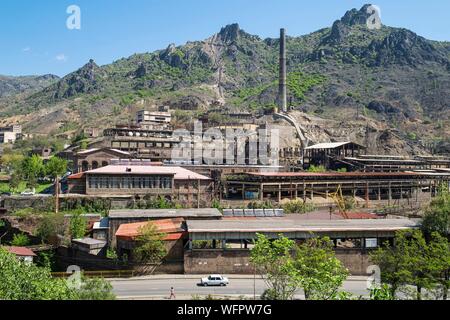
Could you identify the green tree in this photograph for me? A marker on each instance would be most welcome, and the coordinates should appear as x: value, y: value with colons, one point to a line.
x: 55, y: 167
x: 273, y: 261
x: 77, y: 226
x: 418, y: 261
x: 11, y: 161
x: 439, y: 255
x: 24, y: 281
x: 95, y: 289
x: 14, y: 181
x: 32, y: 168
x: 20, y: 240
x: 412, y: 261
x: 50, y: 226
x: 317, y: 269
x: 437, y: 215
x: 150, y: 246
x: 392, y: 264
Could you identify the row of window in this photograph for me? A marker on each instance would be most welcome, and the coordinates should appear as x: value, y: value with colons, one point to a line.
x: 126, y: 145
x: 149, y: 182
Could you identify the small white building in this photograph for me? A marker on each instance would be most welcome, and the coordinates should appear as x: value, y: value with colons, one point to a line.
x: 10, y: 134
x: 144, y: 116
x: 22, y: 253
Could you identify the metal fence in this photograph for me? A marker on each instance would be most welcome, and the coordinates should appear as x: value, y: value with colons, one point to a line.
x: 100, y: 274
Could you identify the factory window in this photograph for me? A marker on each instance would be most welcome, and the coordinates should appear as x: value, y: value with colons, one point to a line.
x: 167, y: 183
x: 126, y: 182
x: 157, y: 182
x: 115, y: 183
x: 135, y: 183
x: 85, y: 166
x: 159, y: 145
x: 93, y: 183
x: 348, y: 243
x: 371, y: 243
x: 104, y: 163
x: 94, y: 165
x: 146, y: 182
x: 104, y: 182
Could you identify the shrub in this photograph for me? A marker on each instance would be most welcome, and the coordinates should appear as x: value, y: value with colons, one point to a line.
x: 20, y: 240
x: 298, y: 206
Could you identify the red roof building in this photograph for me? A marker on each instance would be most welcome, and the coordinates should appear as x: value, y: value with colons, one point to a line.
x: 22, y: 253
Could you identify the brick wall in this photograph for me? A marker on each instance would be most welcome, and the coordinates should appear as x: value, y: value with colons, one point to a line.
x: 238, y: 261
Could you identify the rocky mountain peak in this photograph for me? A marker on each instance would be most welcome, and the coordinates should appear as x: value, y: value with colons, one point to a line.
x: 356, y: 17
x: 230, y: 32
x: 83, y: 80
x: 341, y: 28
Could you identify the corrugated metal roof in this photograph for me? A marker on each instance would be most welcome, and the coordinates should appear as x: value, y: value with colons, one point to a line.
x: 333, y: 174
x: 103, y: 149
x: 171, y: 227
x: 164, y: 213
x: 282, y: 226
x: 253, y: 213
x: 331, y: 145
x: 178, y: 172
x: 89, y: 242
x: 76, y: 176
x: 20, y: 251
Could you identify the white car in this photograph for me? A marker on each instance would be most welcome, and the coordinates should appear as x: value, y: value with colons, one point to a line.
x: 215, y: 280
x: 28, y: 193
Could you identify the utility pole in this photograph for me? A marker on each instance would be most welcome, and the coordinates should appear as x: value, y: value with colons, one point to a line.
x: 56, y: 194
x: 254, y: 282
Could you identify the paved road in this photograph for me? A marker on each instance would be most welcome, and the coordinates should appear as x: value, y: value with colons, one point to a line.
x: 185, y: 288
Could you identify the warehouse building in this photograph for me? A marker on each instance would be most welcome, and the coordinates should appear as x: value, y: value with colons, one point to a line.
x: 353, y: 240
x: 145, y: 181
x: 371, y: 186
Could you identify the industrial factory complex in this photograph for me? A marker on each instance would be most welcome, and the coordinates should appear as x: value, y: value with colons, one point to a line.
x: 210, y: 212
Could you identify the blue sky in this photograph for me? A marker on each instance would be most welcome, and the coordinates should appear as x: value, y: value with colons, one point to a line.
x: 35, y: 40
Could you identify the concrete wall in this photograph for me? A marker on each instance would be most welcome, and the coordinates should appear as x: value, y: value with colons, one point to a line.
x: 217, y: 261
x: 355, y: 261
x: 22, y: 202
x: 238, y: 261
x: 67, y: 257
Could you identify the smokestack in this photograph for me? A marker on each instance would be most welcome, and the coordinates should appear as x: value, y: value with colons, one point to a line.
x: 282, y: 91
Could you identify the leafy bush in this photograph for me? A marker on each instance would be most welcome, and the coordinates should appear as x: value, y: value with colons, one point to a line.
x: 150, y: 247
x: 77, y: 226
x: 298, y: 206
x: 317, y: 169
x: 50, y: 225
x: 20, y: 240
x: 261, y: 205
x: 24, y: 281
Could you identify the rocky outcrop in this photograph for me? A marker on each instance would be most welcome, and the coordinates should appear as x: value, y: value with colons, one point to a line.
x: 83, y: 81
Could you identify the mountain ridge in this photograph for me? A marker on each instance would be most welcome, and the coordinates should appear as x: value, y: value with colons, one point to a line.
x: 391, y: 75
